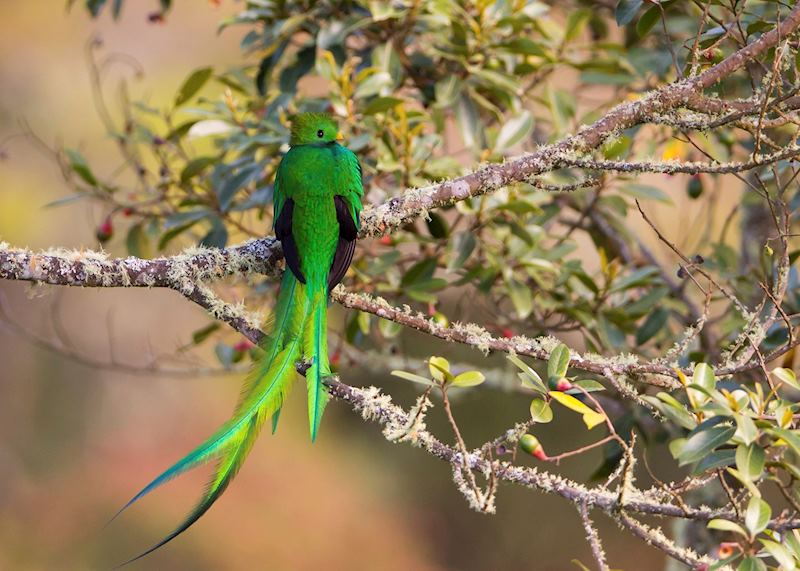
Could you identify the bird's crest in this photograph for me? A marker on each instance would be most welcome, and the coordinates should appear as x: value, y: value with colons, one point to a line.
x: 313, y: 128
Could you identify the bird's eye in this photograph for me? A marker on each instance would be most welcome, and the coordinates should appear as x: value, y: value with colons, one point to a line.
x: 320, y: 133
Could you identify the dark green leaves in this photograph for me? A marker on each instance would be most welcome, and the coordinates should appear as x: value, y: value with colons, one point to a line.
x: 626, y: 11
x: 192, y: 84
x: 381, y: 104
x: 702, y: 441
x: 138, y: 242
x: 78, y: 164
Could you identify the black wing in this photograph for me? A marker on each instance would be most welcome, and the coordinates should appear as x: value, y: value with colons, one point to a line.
x: 283, y: 231
x: 346, y: 245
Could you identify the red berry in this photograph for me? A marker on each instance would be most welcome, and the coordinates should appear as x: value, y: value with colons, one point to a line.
x: 336, y: 358
x: 530, y: 444
x: 105, y: 230
x: 508, y: 333
x: 243, y: 346
x: 128, y: 211
x: 386, y: 240
x: 563, y: 385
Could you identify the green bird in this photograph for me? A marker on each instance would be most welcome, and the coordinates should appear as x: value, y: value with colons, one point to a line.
x: 317, y: 203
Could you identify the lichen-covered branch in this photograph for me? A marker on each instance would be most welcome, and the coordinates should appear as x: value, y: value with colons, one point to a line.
x: 377, y: 407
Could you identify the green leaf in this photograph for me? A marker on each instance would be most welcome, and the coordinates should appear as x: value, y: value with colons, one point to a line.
x: 786, y: 376
x: 137, y: 242
x: 204, y: 333
x: 791, y: 538
x: 412, y: 377
x: 440, y: 369
x: 704, y: 442
x: 116, y: 9
x: 670, y: 407
x: 746, y: 428
x: 389, y: 329
x: 647, y: 21
x: 717, y: 459
x: 616, y: 148
x: 534, y: 381
x: 541, y: 411
x: 67, y: 200
x: 469, y: 122
x: 626, y: 11
x: 725, y: 525
x: 373, y: 85
x: 754, y: 491
x: 654, y: 323
x: 79, y: 165
x: 364, y: 322
x: 469, y: 379
x: 521, y: 296
x: 437, y: 225
x: 381, y: 105
x: 463, y: 245
x: 558, y: 363
x: 789, y: 436
x: 576, y: 23
x: 588, y: 385
x: 524, y: 46
x: 419, y: 272
x: 635, y: 279
x: 646, y: 192
x: 447, y: 90
x: 757, y: 516
x: 195, y: 167
x: 704, y: 376
x: 181, y: 130
x: 217, y: 237
x: 94, y: 6
x: 751, y: 563
x: 780, y: 553
x: 750, y: 461
x: 513, y: 131
x: 192, y: 84
x: 226, y: 192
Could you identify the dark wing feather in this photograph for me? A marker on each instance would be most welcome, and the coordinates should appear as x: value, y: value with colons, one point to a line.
x: 283, y: 231
x: 347, y: 226
x: 346, y: 245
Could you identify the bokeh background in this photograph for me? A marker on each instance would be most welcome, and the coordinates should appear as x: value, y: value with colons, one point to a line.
x: 77, y: 441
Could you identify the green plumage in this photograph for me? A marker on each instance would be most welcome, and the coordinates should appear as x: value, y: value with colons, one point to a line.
x: 317, y: 201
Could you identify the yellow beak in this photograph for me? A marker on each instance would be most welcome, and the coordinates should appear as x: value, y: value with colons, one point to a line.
x: 339, y: 136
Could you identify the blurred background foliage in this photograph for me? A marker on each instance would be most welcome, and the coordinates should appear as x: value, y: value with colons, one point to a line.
x: 150, y: 163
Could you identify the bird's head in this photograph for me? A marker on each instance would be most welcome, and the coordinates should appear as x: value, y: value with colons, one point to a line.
x: 314, y: 129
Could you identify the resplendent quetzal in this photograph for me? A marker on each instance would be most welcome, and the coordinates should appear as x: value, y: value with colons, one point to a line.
x: 317, y: 203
